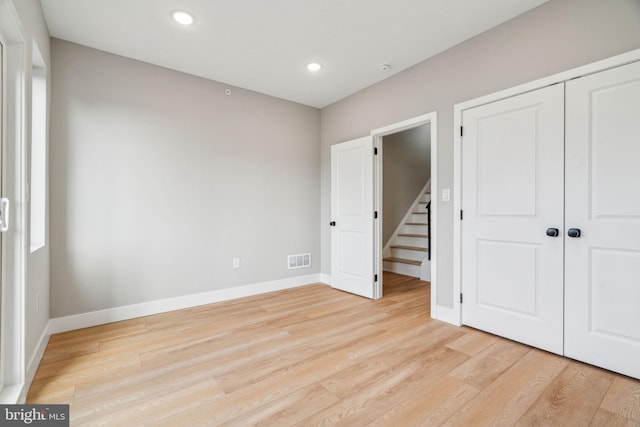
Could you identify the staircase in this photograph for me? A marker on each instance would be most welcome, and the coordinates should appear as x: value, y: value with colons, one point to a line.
x: 407, y: 251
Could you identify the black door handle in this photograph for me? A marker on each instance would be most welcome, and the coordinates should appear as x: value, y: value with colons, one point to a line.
x: 553, y: 232
x: 574, y: 232
x: 332, y: 223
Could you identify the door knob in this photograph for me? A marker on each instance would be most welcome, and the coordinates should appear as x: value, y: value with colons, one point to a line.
x: 553, y: 232
x: 332, y: 223
x: 574, y: 232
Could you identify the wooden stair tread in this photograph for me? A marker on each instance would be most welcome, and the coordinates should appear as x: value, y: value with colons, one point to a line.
x: 419, y: 213
x: 424, y: 236
x: 411, y: 248
x: 416, y: 223
x: 403, y: 261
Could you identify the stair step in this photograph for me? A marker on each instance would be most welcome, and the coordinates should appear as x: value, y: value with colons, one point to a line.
x: 403, y: 261
x: 418, y: 213
x: 424, y: 236
x: 416, y: 223
x: 410, y: 248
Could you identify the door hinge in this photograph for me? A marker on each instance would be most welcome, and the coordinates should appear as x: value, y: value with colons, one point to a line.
x: 375, y: 215
x: 461, y: 215
x: 375, y: 151
x: 461, y: 131
x: 375, y: 277
x: 460, y: 297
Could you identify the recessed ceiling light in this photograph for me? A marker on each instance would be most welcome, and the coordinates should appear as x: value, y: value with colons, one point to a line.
x: 314, y: 66
x: 182, y: 17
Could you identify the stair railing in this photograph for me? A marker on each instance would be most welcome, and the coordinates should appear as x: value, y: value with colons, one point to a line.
x: 429, y: 230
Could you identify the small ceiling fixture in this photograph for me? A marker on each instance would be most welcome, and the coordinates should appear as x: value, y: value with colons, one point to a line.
x: 182, y: 17
x: 384, y: 67
x: 314, y: 66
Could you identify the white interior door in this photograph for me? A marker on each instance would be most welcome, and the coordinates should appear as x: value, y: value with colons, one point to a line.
x: 602, y: 317
x: 352, y: 267
x: 512, y: 194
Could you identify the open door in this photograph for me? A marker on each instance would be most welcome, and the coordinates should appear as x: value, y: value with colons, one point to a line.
x: 352, y: 216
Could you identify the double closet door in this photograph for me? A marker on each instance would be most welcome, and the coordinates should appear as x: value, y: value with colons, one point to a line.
x: 551, y: 226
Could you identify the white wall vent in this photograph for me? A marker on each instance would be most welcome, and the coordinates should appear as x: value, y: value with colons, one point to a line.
x: 299, y: 261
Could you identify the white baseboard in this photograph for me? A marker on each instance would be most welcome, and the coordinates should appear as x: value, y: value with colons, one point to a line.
x: 32, y: 366
x: 326, y: 279
x: 10, y: 394
x: 116, y: 314
x: 446, y: 314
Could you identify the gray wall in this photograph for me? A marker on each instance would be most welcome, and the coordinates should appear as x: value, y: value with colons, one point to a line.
x: 406, y: 168
x: 158, y: 179
x: 559, y: 35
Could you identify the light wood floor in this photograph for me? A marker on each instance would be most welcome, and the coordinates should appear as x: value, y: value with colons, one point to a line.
x: 316, y: 356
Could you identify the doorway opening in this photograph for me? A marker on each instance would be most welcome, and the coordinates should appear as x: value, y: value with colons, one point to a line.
x: 405, y: 170
x: 406, y: 202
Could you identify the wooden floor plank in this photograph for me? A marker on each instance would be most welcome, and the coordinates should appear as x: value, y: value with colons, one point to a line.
x: 506, y: 399
x: 288, y: 410
x: 489, y: 364
x: 623, y: 398
x: 429, y: 406
x: 572, y: 398
x: 317, y: 356
x: 473, y: 342
x: 604, y: 418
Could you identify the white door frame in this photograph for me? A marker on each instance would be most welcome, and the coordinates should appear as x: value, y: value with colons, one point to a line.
x: 378, y: 134
x: 454, y: 314
x: 12, y: 372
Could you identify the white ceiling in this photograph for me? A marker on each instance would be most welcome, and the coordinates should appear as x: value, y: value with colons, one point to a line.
x: 264, y: 45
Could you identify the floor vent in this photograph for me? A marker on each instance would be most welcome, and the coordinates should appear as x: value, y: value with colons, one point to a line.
x: 299, y: 261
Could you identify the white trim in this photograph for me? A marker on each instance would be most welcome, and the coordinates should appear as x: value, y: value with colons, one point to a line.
x: 10, y: 395
x: 378, y: 194
x: 378, y: 134
x: 101, y: 317
x: 325, y: 279
x: 457, y: 204
x: 12, y: 371
x: 405, y: 125
x: 448, y: 315
x: 435, y: 201
x: 458, y: 109
x: 34, y: 363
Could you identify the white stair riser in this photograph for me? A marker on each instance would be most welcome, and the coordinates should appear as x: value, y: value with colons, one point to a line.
x: 418, y: 217
x: 412, y: 241
x: 415, y: 229
x: 425, y: 197
x: 400, y: 268
x: 408, y: 254
x: 420, y: 207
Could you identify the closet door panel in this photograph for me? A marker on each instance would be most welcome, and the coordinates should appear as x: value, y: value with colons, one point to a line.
x: 512, y: 192
x: 602, y: 266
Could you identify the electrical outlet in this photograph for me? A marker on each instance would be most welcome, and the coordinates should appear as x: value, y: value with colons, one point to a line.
x: 236, y: 263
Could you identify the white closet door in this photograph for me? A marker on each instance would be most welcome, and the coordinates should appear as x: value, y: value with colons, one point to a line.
x: 602, y: 317
x: 512, y: 192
